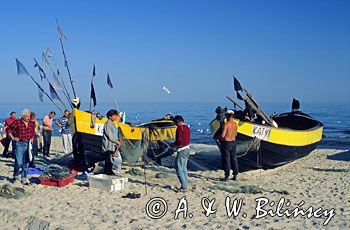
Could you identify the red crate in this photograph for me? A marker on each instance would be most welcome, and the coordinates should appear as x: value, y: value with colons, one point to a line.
x: 51, y: 181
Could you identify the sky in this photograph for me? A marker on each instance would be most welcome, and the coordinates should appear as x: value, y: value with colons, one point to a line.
x: 277, y: 49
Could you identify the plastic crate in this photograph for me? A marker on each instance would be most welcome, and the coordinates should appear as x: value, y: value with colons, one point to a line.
x: 105, y: 182
x: 57, y: 182
x: 39, y: 170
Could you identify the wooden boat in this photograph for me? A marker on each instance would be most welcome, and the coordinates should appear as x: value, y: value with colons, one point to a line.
x: 263, y: 146
x: 151, y: 139
x: 268, y: 142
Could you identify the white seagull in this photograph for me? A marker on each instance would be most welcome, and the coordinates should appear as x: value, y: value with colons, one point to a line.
x: 166, y: 89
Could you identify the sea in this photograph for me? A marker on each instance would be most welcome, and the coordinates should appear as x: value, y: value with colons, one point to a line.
x: 335, y: 117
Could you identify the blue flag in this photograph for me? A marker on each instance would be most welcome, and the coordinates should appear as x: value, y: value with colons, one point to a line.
x: 41, y: 94
x: 21, y: 70
x: 53, y: 92
x: 41, y: 71
x: 109, y: 82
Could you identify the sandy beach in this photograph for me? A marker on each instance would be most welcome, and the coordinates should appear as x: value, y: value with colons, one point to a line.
x: 320, y: 180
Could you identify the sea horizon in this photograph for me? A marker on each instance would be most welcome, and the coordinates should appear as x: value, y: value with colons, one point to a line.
x: 336, y: 133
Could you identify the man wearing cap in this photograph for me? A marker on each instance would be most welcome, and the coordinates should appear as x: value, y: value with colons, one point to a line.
x: 228, y: 147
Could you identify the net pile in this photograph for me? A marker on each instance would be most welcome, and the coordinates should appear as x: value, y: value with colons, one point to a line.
x: 9, y: 192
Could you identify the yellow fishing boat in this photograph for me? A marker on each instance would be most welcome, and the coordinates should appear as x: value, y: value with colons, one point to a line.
x: 151, y: 139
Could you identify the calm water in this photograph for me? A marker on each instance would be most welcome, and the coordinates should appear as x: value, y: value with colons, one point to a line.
x: 335, y: 117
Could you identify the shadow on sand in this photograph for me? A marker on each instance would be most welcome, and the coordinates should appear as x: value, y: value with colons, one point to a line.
x: 343, y: 156
x: 331, y: 170
x: 204, y: 162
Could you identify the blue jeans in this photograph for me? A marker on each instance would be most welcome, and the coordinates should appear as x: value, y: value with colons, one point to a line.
x: 181, y: 167
x: 21, y: 159
x: 47, y: 142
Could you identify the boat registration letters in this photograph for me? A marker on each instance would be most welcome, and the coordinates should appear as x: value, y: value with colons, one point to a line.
x: 262, y: 133
x: 99, y: 129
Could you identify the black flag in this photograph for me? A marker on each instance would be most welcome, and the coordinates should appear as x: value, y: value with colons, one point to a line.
x: 92, y: 94
x: 109, y: 82
x: 237, y: 86
x: 94, y: 72
x: 239, y: 96
x: 248, y: 109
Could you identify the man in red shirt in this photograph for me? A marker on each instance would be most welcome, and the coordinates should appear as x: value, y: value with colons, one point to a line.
x: 182, y: 143
x: 8, y: 123
x: 23, y: 132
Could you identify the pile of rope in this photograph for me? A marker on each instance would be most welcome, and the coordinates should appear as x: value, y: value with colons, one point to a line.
x: 9, y: 192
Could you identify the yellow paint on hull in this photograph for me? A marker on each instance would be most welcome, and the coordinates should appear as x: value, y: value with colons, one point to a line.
x: 80, y: 122
x: 281, y: 136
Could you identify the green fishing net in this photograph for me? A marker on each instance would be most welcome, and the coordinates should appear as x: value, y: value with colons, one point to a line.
x: 135, y: 172
x: 56, y: 171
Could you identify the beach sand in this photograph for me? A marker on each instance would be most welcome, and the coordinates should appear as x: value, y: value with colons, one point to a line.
x: 321, y: 180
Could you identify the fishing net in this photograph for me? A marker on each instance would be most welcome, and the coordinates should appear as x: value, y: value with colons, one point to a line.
x: 236, y: 188
x: 41, y: 161
x: 10, y: 192
x: 133, y: 150
x: 135, y: 172
x: 57, y: 171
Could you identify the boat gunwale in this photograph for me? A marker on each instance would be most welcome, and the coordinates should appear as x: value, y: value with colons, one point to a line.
x: 319, y: 125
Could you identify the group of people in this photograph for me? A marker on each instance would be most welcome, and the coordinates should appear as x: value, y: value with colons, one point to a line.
x: 111, y: 144
x: 25, y: 134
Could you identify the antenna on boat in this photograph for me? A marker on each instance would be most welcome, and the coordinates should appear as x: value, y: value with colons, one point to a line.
x: 21, y: 70
x: 61, y: 35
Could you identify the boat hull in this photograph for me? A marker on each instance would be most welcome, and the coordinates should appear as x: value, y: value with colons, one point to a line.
x: 266, y: 147
x: 270, y: 155
x: 136, y: 141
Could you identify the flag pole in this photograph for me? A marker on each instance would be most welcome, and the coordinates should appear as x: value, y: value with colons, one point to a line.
x: 115, y: 99
x: 90, y: 96
x: 109, y: 83
x: 235, y: 103
x: 92, y: 87
x: 27, y: 73
x: 65, y: 91
x: 39, y: 67
x: 65, y: 59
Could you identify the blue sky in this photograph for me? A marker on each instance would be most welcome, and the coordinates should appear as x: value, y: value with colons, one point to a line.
x: 277, y: 49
